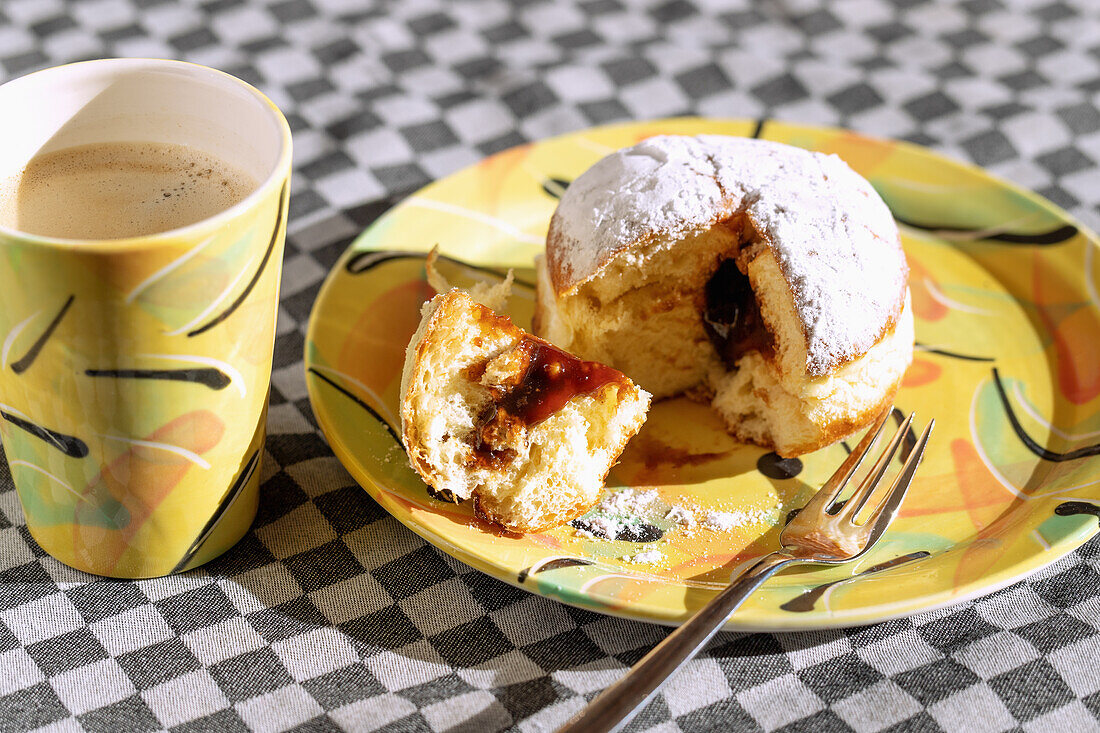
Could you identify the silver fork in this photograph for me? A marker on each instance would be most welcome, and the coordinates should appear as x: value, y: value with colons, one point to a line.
x: 813, y: 535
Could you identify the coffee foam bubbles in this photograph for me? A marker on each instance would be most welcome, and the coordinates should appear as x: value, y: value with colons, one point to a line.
x: 119, y: 190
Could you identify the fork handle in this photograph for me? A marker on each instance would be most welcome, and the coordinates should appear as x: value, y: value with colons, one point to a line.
x: 615, y: 706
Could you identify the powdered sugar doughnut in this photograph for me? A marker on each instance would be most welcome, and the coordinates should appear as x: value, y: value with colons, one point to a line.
x: 765, y: 278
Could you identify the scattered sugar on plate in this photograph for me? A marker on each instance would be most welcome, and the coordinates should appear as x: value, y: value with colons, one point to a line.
x: 723, y: 521
x: 623, y: 515
x: 599, y: 527
x: 631, y: 502
x: 683, y: 517
x: 629, y: 514
x: 646, y: 557
x: 716, y: 521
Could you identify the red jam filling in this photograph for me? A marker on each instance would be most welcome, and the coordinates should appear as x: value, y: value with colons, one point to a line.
x: 551, y: 378
x: 731, y: 316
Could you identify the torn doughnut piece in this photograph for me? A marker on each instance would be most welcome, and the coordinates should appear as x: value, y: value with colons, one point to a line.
x: 493, y: 414
x: 765, y: 279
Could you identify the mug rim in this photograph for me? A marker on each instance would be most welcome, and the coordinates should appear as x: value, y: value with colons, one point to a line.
x: 280, y: 173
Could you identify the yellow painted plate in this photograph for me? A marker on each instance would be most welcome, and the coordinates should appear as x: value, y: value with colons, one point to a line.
x: 1008, y: 361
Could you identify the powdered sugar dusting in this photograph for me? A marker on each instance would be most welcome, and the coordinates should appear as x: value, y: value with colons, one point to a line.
x: 628, y: 514
x: 724, y: 521
x: 623, y: 515
x: 831, y: 233
x: 681, y: 516
x: 600, y: 527
x: 647, y: 557
x: 630, y: 502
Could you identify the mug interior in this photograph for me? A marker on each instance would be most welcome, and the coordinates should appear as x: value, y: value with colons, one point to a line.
x: 141, y: 100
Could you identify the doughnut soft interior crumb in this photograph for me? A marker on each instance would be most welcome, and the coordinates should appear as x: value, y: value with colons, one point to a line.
x: 649, y: 327
x: 462, y: 366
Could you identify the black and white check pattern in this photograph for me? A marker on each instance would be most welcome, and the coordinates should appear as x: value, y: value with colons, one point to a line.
x: 330, y: 615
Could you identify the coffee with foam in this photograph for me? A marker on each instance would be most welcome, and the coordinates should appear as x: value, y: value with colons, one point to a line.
x: 117, y: 190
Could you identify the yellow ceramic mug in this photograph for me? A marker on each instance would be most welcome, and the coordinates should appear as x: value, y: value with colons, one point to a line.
x: 134, y: 373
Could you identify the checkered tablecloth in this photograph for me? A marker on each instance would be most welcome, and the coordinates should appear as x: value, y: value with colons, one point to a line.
x: 331, y: 615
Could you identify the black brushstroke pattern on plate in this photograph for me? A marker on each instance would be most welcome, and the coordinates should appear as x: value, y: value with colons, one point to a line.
x: 772, y: 466
x: 211, y: 377
x: 255, y: 276
x: 23, y: 363
x: 805, y: 602
x: 1071, y: 508
x: 555, y: 186
x: 952, y: 354
x: 555, y: 564
x: 1045, y: 453
x: 361, y: 262
x: 68, y: 444
x: 1053, y: 236
x: 373, y: 413
x: 230, y: 497
x: 759, y: 129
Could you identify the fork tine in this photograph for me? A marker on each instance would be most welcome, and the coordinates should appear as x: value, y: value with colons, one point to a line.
x: 872, y: 480
x: 831, y: 489
x: 889, y: 507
